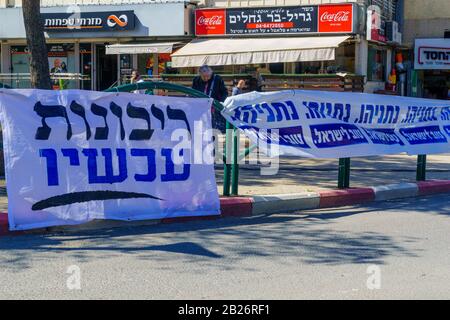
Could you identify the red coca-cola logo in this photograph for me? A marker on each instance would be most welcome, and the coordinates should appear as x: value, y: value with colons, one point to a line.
x: 210, y: 22
x: 341, y: 16
x: 336, y: 18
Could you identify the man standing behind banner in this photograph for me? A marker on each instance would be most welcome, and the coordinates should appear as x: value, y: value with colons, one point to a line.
x: 238, y: 88
x: 212, y: 85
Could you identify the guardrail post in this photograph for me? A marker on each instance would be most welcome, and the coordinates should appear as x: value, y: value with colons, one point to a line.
x: 228, y: 149
x: 344, y: 173
x: 235, y: 164
x: 421, y: 168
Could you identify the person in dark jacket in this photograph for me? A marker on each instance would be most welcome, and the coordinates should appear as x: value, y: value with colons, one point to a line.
x: 210, y: 84
x: 213, y: 86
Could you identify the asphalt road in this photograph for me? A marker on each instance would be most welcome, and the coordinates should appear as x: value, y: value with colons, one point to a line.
x: 397, y: 249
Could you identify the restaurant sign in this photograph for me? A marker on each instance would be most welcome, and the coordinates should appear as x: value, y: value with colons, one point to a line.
x: 89, y: 21
x: 432, y: 54
x: 280, y: 20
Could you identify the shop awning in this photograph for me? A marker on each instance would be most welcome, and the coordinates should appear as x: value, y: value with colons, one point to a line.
x: 130, y: 48
x: 220, y: 52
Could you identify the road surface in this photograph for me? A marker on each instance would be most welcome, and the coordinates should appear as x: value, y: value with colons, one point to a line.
x: 398, y: 249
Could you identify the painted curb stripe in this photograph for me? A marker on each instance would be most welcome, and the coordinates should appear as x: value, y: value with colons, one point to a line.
x: 236, y: 207
x: 339, y: 198
x: 433, y: 187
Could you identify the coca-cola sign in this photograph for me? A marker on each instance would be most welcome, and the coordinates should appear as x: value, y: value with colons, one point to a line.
x: 336, y: 18
x: 341, y: 16
x: 210, y: 22
x: 275, y: 20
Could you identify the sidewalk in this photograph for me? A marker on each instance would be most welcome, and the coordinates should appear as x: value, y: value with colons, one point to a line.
x: 298, y: 175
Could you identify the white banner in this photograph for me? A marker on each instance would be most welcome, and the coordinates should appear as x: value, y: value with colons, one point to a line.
x: 321, y: 124
x: 73, y: 156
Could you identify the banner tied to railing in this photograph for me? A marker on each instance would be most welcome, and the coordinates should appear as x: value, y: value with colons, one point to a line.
x: 320, y: 124
x: 73, y: 156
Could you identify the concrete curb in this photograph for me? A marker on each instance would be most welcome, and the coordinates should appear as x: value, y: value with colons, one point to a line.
x: 396, y: 191
x: 270, y: 204
x: 285, y: 202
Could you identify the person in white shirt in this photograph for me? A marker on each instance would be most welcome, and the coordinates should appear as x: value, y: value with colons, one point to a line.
x: 136, y: 78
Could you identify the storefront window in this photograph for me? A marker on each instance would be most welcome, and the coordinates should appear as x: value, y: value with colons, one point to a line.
x: 143, y: 63
x: 344, y: 62
x: 86, y: 66
x: 376, y: 65
x: 436, y: 84
x: 61, y: 59
x: 276, y: 68
x: 125, y: 67
x: 146, y: 64
x: 20, y: 59
x: 20, y: 64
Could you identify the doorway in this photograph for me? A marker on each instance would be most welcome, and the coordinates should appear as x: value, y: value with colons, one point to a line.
x: 437, y: 84
x: 106, y: 68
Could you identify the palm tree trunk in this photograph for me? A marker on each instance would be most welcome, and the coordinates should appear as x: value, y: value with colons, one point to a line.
x: 34, y: 28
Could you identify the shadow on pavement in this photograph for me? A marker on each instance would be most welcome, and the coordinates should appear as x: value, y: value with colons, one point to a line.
x: 309, y: 238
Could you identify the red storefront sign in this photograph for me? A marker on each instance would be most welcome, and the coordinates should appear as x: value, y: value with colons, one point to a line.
x: 332, y: 18
x: 336, y: 18
x: 210, y: 22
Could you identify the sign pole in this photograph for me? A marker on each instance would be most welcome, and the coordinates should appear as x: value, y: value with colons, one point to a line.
x: 235, y: 165
x: 421, y: 172
x: 344, y: 173
x: 228, y: 154
x: 421, y: 168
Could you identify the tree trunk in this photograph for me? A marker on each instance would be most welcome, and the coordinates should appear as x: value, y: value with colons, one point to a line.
x: 34, y: 28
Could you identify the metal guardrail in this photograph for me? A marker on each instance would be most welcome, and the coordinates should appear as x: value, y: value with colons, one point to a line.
x: 149, y: 86
x: 22, y: 80
x: 27, y: 76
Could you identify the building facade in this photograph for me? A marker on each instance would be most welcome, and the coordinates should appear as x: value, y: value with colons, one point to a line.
x: 362, y: 38
x: 369, y: 51
x: 80, y: 33
x: 427, y: 37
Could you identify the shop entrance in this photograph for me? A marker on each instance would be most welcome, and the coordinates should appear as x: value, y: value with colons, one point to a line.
x: 106, y: 68
x: 437, y: 84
